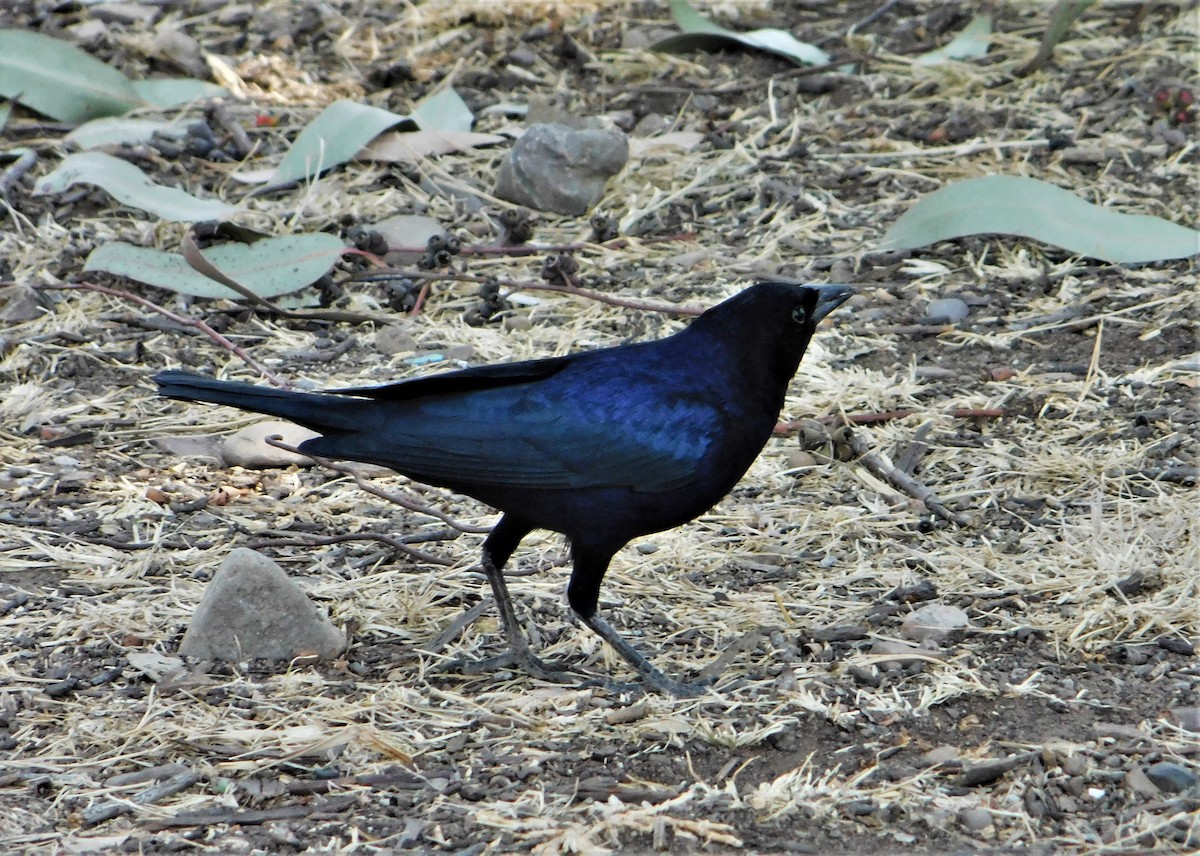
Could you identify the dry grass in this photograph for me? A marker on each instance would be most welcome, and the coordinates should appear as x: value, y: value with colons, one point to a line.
x: 1064, y: 497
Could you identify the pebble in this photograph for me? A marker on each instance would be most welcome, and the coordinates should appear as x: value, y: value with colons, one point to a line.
x: 251, y: 610
x: 941, y: 755
x: 1172, y: 778
x: 553, y: 167
x: 1187, y: 717
x: 461, y: 352
x: 647, y: 547
x: 949, y: 310
x: 798, y: 459
x: 975, y: 819
x: 933, y: 622
x: 395, y: 339
x: 1137, y: 782
x: 904, y: 653
x: 1075, y: 765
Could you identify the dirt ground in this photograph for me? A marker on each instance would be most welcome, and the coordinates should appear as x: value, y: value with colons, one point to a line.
x: 1060, y: 417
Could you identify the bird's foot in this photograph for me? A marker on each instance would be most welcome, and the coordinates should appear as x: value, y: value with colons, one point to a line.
x: 527, y: 661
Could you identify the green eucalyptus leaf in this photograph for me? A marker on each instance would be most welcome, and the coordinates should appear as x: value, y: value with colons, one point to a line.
x: 1013, y: 205
x: 61, y: 81
x: 270, y: 267
x: 331, y: 139
x: 443, y: 111
x: 699, y: 33
x: 130, y: 186
x: 167, y: 92
x: 972, y: 43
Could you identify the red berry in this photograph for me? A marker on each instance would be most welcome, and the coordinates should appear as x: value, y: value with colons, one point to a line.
x: 1182, y: 117
x: 1162, y: 98
x: 1185, y: 98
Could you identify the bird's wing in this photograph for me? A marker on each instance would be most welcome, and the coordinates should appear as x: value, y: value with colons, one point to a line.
x: 532, y: 425
x: 464, y: 380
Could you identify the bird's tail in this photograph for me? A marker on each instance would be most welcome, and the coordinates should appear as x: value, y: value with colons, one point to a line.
x: 320, y: 412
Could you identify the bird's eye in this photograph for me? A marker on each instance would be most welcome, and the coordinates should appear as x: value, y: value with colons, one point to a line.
x: 799, y: 315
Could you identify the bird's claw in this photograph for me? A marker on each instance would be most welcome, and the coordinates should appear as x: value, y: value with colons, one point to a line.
x: 529, y: 663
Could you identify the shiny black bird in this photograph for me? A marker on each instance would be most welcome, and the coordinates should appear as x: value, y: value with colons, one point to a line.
x: 602, y: 446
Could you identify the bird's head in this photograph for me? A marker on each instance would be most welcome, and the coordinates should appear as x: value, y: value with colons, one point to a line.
x: 769, y: 325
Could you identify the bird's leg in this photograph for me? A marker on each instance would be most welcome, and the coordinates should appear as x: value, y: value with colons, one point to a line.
x: 584, y: 594
x: 498, y: 547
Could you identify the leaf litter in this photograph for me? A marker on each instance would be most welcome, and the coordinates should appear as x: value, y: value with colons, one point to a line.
x: 1078, y: 575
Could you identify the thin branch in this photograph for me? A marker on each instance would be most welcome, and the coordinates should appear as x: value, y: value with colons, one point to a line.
x: 183, y: 320
x: 878, y: 464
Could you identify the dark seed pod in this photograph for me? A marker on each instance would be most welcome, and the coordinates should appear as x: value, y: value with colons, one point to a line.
x: 604, y: 227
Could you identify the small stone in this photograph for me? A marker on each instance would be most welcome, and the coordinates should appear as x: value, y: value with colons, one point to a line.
x: 947, y: 310
x: 1172, y: 778
x: 941, y: 755
x: 395, y: 339
x: 1187, y: 717
x: 458, y: 352
x: 249, y: 448
x: 651, y: 124
x: 798, y: 459
x: 975, y: 819
x: 933, y: 622
x: 1075, y: 765
x: 900, y: 654
x: 559, y: 169
x: 22, y: 303
x: 252, y: 609
x: 1137, y: 781
x: 647, y: 547
x: 516, y: 323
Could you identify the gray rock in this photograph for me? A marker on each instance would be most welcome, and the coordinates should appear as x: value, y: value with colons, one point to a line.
x: 253, y: 610
x: 555, y: 168
x: 1075, y: 764
x: 1172, y: 778
x: 947, y: 310
x: 899, y: 654
x: 249, y: 448
x: 395, y: 339
x: 941, y: 755
x: 1187, y: 717
x: 975, y: 819
x: 1137, y: 781
x: 22, y: 303
x: 933, y: 622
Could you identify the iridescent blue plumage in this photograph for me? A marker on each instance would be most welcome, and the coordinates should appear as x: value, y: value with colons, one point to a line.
x: 602, y: 446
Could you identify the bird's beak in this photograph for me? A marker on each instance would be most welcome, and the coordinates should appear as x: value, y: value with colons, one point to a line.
x: 829, y: 298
